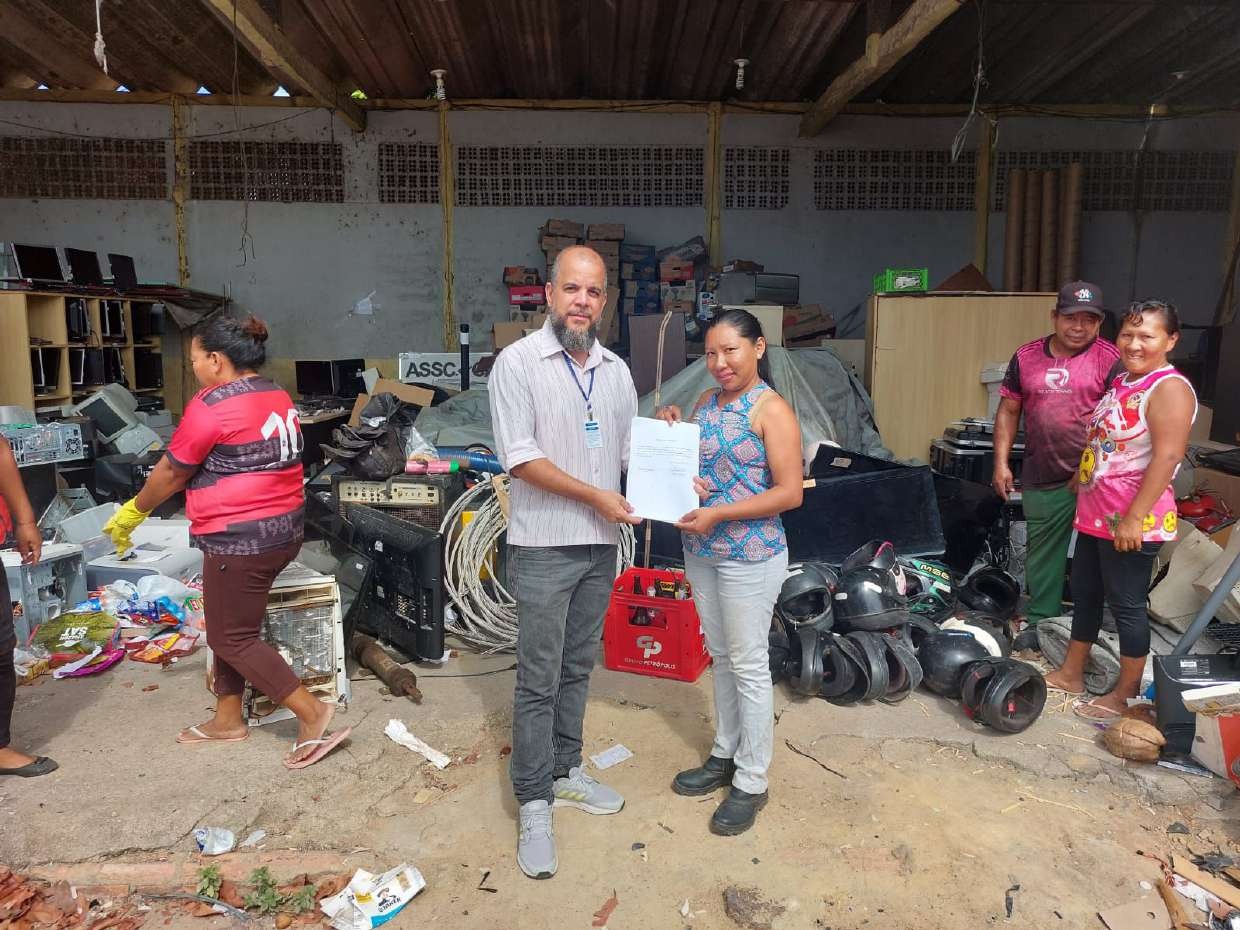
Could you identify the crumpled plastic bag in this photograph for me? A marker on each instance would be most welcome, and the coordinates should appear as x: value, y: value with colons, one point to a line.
x: 73, y: 635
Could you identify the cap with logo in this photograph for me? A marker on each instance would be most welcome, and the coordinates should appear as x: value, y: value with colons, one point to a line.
x: 1080, y: 296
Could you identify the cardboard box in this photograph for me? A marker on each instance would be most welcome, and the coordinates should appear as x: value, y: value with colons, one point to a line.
x: 686, y: 307
x: 505, y: 334
x: 517, y: 275
x: 673, y: 270
x: 565, y: 228
x: 689, y: 251
x: 608, y: 231
x: 687, y: 292
x: 639, y: 271
x: 605, y: 248
x: 527, y: 294
x: 1219, y: 484
x: 817, y: 328
x: 641, y: 289
x: 639, y: 306
x: 740, y: 264
x: 527, y: 315
x: 609, y: 322
x: 1174, y: 601
x: 409, y: 393
x: 632, y: 252
x: 554, y: 245
x: 771, y: 316
x: 1210, y: 578
x: 643, y: 347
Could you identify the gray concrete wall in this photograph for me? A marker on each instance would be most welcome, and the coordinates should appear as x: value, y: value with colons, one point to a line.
x: 312, y: 262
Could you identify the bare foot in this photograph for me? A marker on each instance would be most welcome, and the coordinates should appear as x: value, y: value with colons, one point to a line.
x: 213, y: 730
x: 312, y: 731
x: 1105, y: 707
x: 1061, y: 682
x: 12, y: 759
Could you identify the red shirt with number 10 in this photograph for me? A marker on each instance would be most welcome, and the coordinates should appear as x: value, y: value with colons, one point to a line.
x: 243, y: 442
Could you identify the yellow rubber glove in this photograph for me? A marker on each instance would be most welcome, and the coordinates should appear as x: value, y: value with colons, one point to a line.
x: 124, y: 522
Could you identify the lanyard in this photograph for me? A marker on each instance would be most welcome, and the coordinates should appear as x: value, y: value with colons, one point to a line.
x: 586, y: 395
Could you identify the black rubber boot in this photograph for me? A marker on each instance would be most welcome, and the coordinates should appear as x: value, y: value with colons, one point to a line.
x: 710, y: 776
x: 737, y: 812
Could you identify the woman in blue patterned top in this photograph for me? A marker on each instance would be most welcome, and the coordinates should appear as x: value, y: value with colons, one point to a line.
x: 736, y: 557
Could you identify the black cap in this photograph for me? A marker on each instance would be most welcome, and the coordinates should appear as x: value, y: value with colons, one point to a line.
x: 1078, y: 296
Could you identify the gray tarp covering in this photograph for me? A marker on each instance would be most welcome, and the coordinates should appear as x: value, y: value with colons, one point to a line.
x: 829, y: 401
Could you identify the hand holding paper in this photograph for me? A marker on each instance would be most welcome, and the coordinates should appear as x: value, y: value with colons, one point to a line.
x: 663, y: 461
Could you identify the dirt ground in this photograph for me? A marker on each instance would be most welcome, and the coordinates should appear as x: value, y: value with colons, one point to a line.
x: 928, y: 823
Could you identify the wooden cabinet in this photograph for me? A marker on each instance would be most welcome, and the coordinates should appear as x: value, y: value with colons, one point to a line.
x: 925, y: 354
x: 57, y: 348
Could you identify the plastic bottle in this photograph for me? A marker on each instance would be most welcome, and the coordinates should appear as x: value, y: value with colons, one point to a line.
x: 214, y: 841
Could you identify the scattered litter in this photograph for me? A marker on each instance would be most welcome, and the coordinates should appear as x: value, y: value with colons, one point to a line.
x: 611, y: 756
x: 1178, y: 827
x: 214, y: 841
x: 399, y: 733
x: 369, y: 900
x: 666, y: 827
x: 684, y: 908
x: 1146, y: 886
x: 424, y: 795
x: 1148, y: 913
x: 254, y: 839
x: 505, y: 751
x: 747, y: 908
x: 1008, y: 901
x: 604, y: 912
x: 482, y: 882
x: 637, y: 846
x: 150, y: 688
x: 1188, y: 768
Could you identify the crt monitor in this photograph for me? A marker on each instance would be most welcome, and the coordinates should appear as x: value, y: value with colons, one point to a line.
x: 110, y: 409
x: 84, y: 266
x: 37, y: 262
x: 124, y: 275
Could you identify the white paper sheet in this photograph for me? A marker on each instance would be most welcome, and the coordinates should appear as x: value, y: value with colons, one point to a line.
x: 662, y: 462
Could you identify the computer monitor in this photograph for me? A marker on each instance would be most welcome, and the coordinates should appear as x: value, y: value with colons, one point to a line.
x: 407, y: 599
x: 334, y: 378
x: 148, y: 369
x: 77, y: 319
x: 112, y: 321
x: 45, y: 370
x: 77, y: 367
x: 84, y: 267
x: 147, y: 319
x: 124, y: 275
x: 37, y: 263
x: 110, y: 409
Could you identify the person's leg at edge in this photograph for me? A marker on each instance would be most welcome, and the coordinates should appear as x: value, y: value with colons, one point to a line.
x: 1087, y: 600
x: 1126, y: 580
x: 1049, y: 513
x: 10, y: 758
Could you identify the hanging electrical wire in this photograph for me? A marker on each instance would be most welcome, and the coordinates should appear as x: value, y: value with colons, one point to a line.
x: 979, y: 79
x: 485, y: 613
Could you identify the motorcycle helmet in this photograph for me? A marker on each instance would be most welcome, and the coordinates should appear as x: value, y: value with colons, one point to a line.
x: 903, y: 671
x: 997, y: 628
x: 861, y: 668
x: 867, y: 599
x: 839, y: 668
x: 876, y: 554
x: 991, y: 590
x: 981, y: 634
x: 929, y: 587
x: 805, y: 598
x: 1007, y: 697
x: 779, y: 651
x: 943, y: 657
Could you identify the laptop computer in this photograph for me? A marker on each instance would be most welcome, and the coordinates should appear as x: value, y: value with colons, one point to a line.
x: 84, y: 267
x: 38, y: 264
x: 124, y: 275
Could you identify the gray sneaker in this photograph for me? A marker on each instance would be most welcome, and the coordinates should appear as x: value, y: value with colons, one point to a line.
x: 581, y: 791
x: 536, y: 842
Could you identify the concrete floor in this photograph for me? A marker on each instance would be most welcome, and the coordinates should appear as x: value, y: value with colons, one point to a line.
x: 931, y: 809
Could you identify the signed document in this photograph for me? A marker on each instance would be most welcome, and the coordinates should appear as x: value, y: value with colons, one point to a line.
x: 662, y: 463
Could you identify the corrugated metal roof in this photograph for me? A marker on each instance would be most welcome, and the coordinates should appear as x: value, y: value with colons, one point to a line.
x: 1070, y: 51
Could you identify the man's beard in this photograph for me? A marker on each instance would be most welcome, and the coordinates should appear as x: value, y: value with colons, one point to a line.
x: 571, y: 339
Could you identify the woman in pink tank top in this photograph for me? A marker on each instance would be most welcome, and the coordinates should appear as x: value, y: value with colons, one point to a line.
x: 1125, y: 509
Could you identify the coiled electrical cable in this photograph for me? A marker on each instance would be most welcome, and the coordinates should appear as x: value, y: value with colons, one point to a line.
x: 485, y: 612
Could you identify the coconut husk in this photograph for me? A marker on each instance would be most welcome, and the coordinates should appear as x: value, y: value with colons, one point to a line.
x: 1134, y: 739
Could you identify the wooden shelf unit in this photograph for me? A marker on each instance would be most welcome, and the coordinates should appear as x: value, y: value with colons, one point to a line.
x: 35, y: 320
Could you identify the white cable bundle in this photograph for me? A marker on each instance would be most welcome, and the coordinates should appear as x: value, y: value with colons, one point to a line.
x: 486, y: 612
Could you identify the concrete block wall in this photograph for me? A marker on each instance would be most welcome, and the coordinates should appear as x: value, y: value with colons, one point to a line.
x: 312, y: 262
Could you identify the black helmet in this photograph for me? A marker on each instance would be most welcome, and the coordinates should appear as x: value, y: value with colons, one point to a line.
x: 840, y: 669
x: 1005, y: 694
x: 861, y: 667
x: 879, y: 554
x: 903, y: 670
x: 991, y: 590
x: 943, y: 656
x: 805, y: 598
x: 929, y: 587
x: 867, y: 599
x: 991, y: 624
x: 796, y: 654
x: 779, y: 651
x: 919, y: 626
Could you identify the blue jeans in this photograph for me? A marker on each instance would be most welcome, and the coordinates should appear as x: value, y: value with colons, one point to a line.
x: 562, y: 594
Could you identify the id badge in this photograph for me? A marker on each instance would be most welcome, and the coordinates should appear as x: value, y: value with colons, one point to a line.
x: 594, y: 435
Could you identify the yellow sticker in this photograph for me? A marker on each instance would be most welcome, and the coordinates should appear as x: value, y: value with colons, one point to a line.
x: 1148, y: 523
x: 1169, y: 521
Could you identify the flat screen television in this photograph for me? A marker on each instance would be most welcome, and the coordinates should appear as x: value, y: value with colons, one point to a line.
x: 124, y: 275
x: 37, y: 263
x: 407, y: 599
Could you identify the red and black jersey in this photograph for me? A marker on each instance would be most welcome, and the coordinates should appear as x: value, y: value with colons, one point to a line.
x: 243, y: 441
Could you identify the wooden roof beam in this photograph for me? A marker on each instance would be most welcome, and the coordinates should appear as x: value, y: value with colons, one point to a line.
x: 918, y: 21
x: 268, y: 43
x: 60, y: 65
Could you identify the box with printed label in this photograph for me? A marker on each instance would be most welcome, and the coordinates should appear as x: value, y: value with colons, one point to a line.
x: 608, y: 231
x: 605, y: 248
x: 567, y: 228
x: 518, y: 275
x: 554, y: 245
x: 527, y: 294
x: 675, y: 270
x: 639, y: 271
x: 641, y: 289
x: 687, y: 292
x: 632, y: 252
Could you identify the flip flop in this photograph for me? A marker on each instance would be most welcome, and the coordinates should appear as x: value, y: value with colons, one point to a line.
x: 1102, y: 712
x: 1065, y: 691
x: 323, y: 745
x: 42, y: 765
x: 197, y: 735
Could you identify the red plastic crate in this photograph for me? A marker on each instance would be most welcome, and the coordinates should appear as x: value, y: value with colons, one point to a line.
x: 657, y: 636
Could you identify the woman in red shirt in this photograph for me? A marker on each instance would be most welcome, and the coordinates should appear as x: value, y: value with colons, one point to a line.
x: 237, y: 454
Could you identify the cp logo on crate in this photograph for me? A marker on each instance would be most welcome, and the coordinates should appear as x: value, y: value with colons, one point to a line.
x: 649, y: 646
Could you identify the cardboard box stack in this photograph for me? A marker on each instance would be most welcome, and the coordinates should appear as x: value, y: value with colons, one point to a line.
x: 608, y: 239
x: 807, y: 325
x: 639, y: 284
x: 526, y: 300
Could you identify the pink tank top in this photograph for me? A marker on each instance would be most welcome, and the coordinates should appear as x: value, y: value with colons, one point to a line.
x: 1118, y: 450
